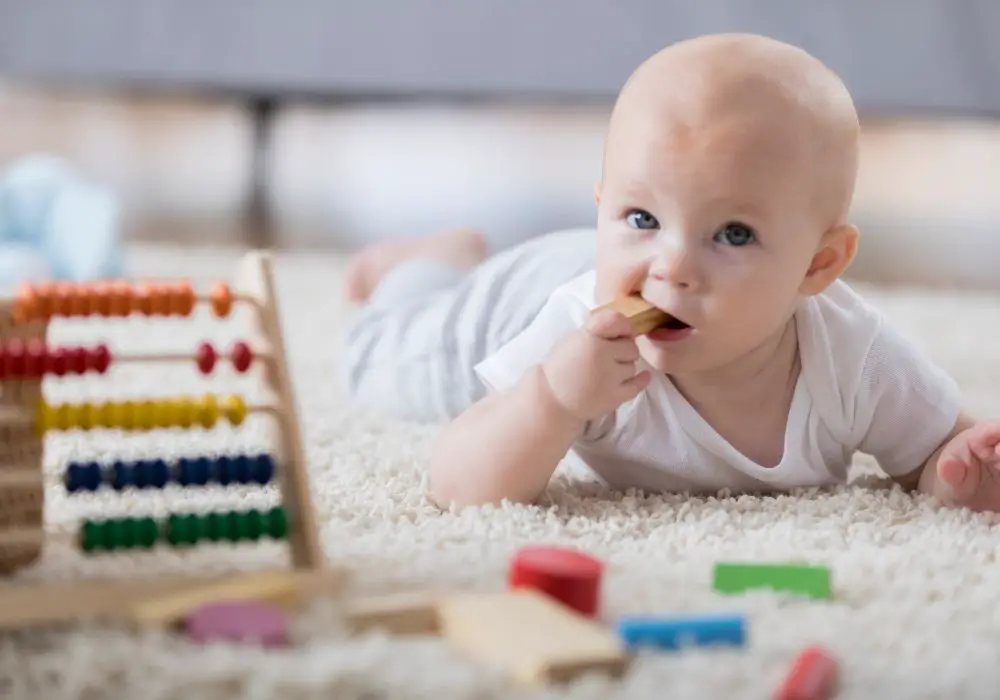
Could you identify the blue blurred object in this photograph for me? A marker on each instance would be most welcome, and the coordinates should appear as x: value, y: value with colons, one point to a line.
x: 678, y: 632
x: 56, y: 225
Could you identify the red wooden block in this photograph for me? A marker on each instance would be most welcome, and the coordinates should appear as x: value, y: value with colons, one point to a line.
x: 567, y: 575
x: 813, y: 676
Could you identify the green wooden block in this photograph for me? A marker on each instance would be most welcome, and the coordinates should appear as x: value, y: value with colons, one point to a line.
x: 800, y: 579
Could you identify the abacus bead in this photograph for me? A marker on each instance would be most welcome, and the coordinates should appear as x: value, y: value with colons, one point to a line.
x: 35, y: 356
x: 185, y: 472
x: 159, y: 473
x: 222, y: 300
x: 224, y: 472
x: 57, y: 363
x: 147, y: 532
x: 25, y: 304
x: 44, y: 418
x: 80, y: 303
x: 242, y: 469
x: 177, y: 529
x: 121, y: 533
x: 3, y: 361
x: 161, y: 300
x: 14, y: 358
x: 241, y: 356
x: 73, y: 478
x: 277, y: 522
x: 216, y: 527
x: 100, y: 296
x: 121, y: 415
x: 143, y: 471
x: 206, y: 357
x: 63, y: 416
x: 120, y: 294
x: 143, y: 415
x: 85, y: 413
x: 122, y: 476
x: 242, y: 527
x: 235, y: 409
x: 92, y: 476
x: 263, y: 469
x: 62, y: 299
x: 255, y: 524
x: 100, y: 358
x: 164, y: 413
x: 202, y: 470
x: 208, y: 411
x: 142, y: 299
x: 43, y: 302
x: 91, y: 536
x: 182, y: 299
x: 187, y: 412
x: 76, y: 359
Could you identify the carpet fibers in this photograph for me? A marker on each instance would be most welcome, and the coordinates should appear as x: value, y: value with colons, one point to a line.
x: 917, y: 588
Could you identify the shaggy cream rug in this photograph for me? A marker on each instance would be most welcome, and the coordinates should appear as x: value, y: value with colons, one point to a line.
x: 917, y: 588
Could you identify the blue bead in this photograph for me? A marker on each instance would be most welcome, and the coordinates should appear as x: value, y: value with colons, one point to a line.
x: 159, y: 473
x: 242, y: 468
x: 123, y: 475
x: 202, y: 470
x: 185, y: 471
x: 678, y: 632
x: 263, y: 469
x: 74, y: 478
x: 93, y: 477
x: 224, y: 472
x: 141, y: 474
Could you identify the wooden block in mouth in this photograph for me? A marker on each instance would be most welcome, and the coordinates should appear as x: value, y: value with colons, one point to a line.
x: 644, y: 316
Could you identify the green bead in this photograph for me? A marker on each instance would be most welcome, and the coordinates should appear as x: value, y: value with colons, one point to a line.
x: 147, y: 532
x: 242, y: 527
x: 91, y: 537
x: 120, y: 533
x: 277, y: 523
x: 215, y: 527
x: 196, y: 528
x: 232, y: 526
x: 177, y: 530
x: 255, y: 524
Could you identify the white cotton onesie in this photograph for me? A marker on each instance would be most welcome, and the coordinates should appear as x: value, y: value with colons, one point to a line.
x: 863, y: 387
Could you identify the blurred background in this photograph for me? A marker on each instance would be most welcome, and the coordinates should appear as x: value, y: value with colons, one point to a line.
x: 330, y: 123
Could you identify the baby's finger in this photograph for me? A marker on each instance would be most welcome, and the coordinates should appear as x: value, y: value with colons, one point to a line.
x: 636, y: 383
x: 609, y: 324
x: 625, y: 351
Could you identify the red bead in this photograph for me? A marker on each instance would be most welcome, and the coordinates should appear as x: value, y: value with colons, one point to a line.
x: 35, y: 359
x: 813, y: 676
x: 14, y: 358
x: 569, y: 576
x: 241, y: 356
x: 57, y: 362
x: 76, y: 360
x: 206, y: 358
x: 3, y: 362
x: 100, y: 358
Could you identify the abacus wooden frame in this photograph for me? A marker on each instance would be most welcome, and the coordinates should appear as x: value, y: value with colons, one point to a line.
x: 23, y: 605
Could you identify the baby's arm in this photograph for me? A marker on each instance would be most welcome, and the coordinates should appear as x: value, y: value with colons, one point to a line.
x: 504, y: 447
x: 508, y: 445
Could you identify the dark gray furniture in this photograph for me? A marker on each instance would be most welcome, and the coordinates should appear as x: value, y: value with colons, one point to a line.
x: 898, y: 57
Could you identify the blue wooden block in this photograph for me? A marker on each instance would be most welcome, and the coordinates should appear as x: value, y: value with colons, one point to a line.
x: 678, y: 632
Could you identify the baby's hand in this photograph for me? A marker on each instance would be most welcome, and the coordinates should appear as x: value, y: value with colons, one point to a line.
x: 967, y: 470
x: 591, y: 372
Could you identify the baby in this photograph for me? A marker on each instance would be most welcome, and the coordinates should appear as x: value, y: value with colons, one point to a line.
x: 728, y: 173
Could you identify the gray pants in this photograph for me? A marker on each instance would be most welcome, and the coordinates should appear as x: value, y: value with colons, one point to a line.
x: 410, y: 352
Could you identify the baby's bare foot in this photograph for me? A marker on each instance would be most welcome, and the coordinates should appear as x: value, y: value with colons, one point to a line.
x: 463, y: 248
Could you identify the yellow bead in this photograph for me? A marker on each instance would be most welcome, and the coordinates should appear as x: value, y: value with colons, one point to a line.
x: 63, y: 418
x: 102, y: 415
x: 236, y: 410
x: 208, y: 411
x: 145, y: 412
x: 85, y: 416
x: 122, y: 415
x: 165, y: 413
x: 187, y: 412
x: 44, y: 418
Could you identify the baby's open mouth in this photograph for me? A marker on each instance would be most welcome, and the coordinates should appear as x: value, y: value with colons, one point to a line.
x: 675, y: 324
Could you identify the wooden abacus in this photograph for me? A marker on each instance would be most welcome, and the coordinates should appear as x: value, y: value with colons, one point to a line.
x: 25, y: 417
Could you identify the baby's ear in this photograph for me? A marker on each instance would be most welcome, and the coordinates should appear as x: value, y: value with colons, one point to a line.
x: 597, y: 193
x: 836, y: 251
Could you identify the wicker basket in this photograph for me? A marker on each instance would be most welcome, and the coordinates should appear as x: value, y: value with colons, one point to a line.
x: 20, y: 448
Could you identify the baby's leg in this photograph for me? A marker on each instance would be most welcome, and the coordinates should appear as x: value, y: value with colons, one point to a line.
x: 410, y: 352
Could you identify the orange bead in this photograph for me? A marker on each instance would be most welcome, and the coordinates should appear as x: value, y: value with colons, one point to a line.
x: 26, y: 304
x: 120, y: 296
x: 80, y: 302
x: 45, y: 300
x: 62, y: 299
x: 100, y: 298
x: 142, y: 299
x: 161, y: 300
x: 182, y: 299
x: 222, y: 300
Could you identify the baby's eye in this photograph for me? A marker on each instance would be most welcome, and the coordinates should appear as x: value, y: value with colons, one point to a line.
x: 736, y: 234
x: 640, y: 219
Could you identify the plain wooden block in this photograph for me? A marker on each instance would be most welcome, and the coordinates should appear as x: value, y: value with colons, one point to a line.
x: 535, y: 639
x: 403, y: 613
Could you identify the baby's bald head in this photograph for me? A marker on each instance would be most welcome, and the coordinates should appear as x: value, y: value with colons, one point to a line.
x: 766, y: 99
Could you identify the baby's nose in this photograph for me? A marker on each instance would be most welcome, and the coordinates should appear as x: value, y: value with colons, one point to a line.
x: 676, y: 268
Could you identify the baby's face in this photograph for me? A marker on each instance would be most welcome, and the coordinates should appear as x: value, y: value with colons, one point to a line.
x: 713, y: 223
